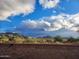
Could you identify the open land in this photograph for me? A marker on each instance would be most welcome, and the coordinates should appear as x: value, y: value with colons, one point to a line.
x: 39, y: 51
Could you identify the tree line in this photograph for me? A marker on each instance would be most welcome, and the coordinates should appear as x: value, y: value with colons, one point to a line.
x: 15, y: 38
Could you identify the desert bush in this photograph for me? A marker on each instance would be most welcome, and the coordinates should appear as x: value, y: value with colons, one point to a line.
x: 18, y: 39
x: 49, y: 40
x: 4, y: 39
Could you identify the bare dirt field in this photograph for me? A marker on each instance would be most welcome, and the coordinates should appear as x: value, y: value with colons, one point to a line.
x: 38, y: 51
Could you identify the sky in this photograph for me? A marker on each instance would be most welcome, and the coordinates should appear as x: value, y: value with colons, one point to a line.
x: 38, y: 15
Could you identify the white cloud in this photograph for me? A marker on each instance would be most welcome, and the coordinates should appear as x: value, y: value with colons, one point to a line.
x: 15, y: 7
x: 32, y: 24
x: 75, y: 18
x: 54, y: 23
x: 49, y: 3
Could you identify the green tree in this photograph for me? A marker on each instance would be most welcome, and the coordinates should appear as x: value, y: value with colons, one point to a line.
x: 58, y: 38
x: 71, y: 39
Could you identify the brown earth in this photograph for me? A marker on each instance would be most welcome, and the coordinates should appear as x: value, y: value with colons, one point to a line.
x: 38, y: 51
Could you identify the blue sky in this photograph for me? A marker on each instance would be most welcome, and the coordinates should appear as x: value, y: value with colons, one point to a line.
x: 69, y: 7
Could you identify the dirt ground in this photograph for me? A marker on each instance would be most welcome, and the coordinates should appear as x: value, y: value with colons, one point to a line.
x: 38, y: 51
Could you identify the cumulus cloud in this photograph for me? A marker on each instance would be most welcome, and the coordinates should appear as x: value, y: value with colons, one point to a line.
x: 75, y: 20
x: 15, y: 7
x: 40, y: 24
x: 30, y: 24
x: 48, y: 3
x: 54, y: 23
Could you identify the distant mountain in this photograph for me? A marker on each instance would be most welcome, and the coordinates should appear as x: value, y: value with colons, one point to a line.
x: 61, y: 32
x: 36, y: 33
x: 65, y: 33
x: 11, y: 34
